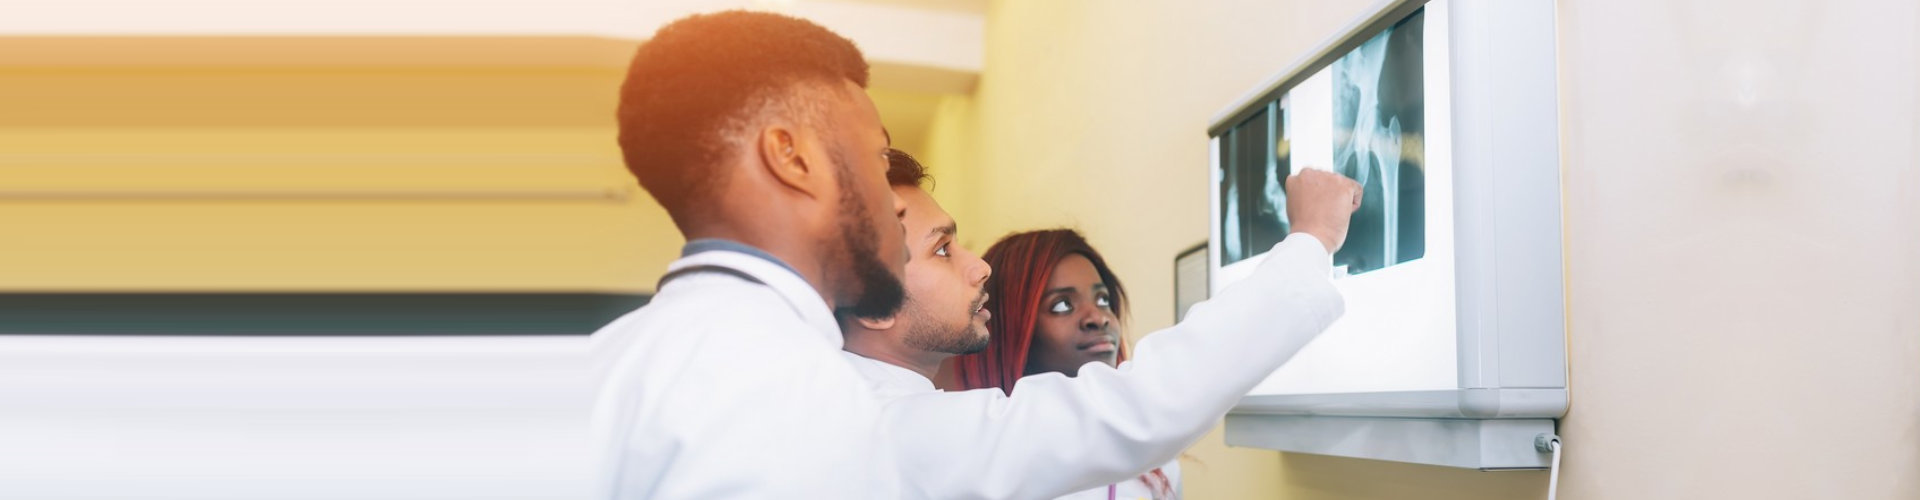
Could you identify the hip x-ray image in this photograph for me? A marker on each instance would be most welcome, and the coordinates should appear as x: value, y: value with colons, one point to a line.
x: 1362, y: 116
x: 1378, y: 123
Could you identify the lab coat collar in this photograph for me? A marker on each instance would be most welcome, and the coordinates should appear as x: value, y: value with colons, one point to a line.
x: 711, y: 244
x: 769, y: 271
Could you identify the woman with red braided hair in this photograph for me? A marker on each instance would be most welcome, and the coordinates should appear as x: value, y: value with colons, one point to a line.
x: 1055, y: 306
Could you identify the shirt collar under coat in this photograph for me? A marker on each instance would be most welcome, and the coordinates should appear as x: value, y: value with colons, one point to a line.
x: 769, y: 271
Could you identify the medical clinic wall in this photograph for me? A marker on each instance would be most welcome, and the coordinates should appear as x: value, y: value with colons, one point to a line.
x: 338, y: 164
x: 326, y: 164
x: 1781, y: 366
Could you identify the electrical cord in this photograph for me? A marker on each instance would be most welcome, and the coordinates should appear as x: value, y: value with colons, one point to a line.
x: 1549, y: 443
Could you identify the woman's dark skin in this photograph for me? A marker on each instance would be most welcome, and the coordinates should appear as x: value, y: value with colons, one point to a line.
x: 1076, y: 323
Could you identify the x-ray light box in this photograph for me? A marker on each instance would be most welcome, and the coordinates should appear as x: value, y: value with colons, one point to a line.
x: 1446, y: 113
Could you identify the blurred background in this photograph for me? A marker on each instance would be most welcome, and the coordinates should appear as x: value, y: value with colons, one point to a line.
x: 208, y: 177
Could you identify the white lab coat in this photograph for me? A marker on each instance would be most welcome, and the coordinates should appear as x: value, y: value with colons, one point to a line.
x: 888, y: 380
x: 731, y: 386
x: 891, y: 381
x: 1131, y: 489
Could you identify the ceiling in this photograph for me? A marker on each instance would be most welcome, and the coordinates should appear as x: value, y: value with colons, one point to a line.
x: 943, y: 37
x: 920, y: 50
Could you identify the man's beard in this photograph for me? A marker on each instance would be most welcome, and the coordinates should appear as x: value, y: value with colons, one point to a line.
x: 926, y: 333
x: 881, y: 293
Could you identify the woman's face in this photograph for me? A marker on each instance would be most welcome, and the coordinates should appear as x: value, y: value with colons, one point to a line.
x: 1076, y: 324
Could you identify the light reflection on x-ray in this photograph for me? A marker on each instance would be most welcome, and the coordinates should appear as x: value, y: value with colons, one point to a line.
x: 1362, y: 116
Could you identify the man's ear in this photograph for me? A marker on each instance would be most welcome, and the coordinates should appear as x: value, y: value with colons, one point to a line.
x: 876, y: 324
x: 784, y: 156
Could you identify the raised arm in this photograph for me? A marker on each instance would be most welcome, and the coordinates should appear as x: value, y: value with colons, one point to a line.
x: 1056, y: 435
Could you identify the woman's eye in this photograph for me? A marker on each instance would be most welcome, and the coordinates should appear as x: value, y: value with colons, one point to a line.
x: 942, y: 251
x: 1103, y: 302
x: 1061, y: 307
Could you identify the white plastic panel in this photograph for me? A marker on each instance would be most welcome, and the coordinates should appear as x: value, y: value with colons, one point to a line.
x: 225, y: 417
x: 1466, y: 443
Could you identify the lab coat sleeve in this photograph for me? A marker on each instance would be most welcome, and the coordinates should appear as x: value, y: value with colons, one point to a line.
x: 1056, y: 435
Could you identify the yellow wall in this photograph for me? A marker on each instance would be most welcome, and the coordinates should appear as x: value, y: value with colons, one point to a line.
x: 1742, y: 320
x: 328, y: 164
x: 318, y: 164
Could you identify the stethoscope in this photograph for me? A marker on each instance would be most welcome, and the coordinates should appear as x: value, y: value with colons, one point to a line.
x: 705, y: 268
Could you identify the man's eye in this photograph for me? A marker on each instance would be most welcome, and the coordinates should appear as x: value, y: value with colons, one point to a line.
x: 1061, y: 307
x: 942, y: 251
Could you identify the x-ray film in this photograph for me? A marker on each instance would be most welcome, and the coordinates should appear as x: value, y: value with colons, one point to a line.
x: 1362, y: 116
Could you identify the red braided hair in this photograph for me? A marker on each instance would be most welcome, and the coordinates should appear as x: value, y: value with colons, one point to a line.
x: 1022, y: 264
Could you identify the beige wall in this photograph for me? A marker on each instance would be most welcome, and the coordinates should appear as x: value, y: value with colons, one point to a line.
x: 1741, y: 226
x: 1743, y: 249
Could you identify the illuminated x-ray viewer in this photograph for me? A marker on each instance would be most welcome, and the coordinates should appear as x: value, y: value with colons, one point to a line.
x: 1445, y: 112
x: 1363, y: 116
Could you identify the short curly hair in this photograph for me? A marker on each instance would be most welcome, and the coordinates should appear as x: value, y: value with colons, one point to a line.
x: 903, y: 170
x: 701, y: 83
